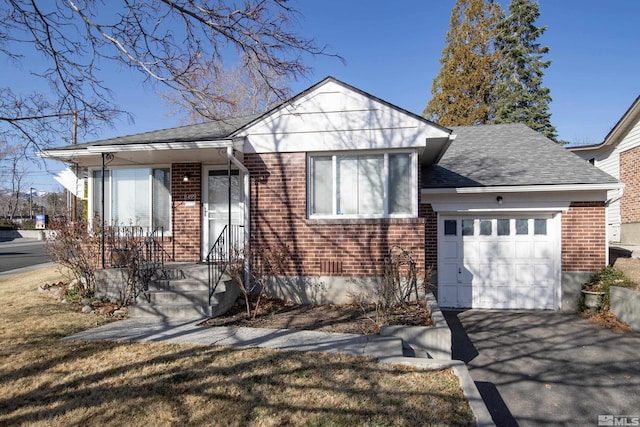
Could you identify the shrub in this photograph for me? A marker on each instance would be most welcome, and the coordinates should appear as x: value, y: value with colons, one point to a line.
x: 7, y: 224
x: 602, y: 280
x: 72, y: 246
x: 28, y: 224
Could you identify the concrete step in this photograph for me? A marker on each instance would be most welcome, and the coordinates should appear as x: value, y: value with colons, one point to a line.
x: 188, y: 284
x: 197, y: 297
x: 174, y: 271
x: 185, y: 298
x: 169, y: 311
x: 180, y: 285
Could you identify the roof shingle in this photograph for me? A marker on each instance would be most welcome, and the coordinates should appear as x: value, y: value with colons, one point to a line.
x: 508, y: 155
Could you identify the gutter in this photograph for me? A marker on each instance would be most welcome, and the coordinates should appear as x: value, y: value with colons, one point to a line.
x: 523, y: 188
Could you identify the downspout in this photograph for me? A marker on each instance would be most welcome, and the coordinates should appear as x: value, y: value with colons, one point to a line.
x: 102, y: 242
x: 247, y: 201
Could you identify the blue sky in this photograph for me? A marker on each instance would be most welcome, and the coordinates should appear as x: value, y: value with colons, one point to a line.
x: 392, y: 50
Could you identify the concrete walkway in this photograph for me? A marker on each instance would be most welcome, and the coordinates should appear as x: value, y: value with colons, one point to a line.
x: 385, y: 349
x: 537, y: 368
x: 138, y: 330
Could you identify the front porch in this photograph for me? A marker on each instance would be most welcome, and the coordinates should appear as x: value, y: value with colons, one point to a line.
x: 142, y: 274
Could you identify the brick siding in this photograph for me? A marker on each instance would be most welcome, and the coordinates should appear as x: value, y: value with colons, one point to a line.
x: 584, y: 237
x: 186, y: 212
x: 630, y: 175
x: 430, y: 235
x: 340, y: 247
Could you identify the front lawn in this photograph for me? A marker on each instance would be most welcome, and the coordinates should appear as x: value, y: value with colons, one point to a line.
x: 46, y: 381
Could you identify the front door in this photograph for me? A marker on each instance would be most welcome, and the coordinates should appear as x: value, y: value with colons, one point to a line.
x: 216, y: 204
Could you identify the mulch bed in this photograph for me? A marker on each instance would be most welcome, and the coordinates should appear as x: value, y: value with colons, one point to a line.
x: 348, y: 318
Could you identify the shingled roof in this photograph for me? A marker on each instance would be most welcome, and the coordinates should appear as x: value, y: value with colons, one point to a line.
x: 508, y: 155
x: 208, y: 131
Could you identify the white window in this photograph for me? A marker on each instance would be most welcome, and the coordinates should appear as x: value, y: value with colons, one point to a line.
x: 134, y: 196
x: 363, y: 185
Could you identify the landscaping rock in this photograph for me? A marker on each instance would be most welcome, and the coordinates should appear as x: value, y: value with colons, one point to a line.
x: 87, y: 309
x: 85, y: 301
x: 118, y: 313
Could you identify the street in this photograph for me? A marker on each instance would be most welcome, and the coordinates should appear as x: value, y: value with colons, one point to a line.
x: 20, y: 253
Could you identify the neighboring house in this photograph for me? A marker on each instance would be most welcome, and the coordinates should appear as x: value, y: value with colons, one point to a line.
x: 335, y: 177
x: 619, y: 156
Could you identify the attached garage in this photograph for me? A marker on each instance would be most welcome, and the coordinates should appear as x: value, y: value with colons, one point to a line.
x: 505, y: 261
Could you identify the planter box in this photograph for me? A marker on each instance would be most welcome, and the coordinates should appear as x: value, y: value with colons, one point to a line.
x: 625, y: 304
x: 593, y: 300
x: 435, y: 340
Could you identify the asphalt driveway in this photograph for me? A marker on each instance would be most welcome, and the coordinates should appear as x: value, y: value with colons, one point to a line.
x: 537, y: 368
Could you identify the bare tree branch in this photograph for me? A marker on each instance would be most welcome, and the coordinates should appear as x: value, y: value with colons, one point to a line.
x: 166, y: 41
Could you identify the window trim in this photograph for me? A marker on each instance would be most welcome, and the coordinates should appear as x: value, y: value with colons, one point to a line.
x: 109, y: 191
x: 334, y: 193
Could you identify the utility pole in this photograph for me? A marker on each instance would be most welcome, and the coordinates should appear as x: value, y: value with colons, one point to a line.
x: 74, y: 197
x: 30, y: 202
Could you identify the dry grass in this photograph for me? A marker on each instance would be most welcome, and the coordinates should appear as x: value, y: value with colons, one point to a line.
x: 46, y: 381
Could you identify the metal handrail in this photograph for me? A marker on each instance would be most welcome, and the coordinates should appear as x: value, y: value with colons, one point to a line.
x: 150, y: 257
x: 225, y: 249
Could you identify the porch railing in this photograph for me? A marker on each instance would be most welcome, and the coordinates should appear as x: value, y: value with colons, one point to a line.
x: 142, y: 254
x: 226, y: 249
x: 149, y: 257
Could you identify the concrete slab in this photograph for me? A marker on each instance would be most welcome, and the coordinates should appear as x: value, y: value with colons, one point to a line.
x: 137, y: 330
x: 537, y: 368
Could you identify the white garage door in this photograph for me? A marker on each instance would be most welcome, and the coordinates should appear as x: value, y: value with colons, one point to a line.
x: 503, y: 262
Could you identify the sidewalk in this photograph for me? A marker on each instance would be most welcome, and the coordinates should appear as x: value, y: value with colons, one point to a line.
x: 139, y: 330
x: 385, y: 349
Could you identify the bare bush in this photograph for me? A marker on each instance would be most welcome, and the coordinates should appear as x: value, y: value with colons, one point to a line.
x: 71, y: 246
x: 397, y: 287
x: 253, y: 282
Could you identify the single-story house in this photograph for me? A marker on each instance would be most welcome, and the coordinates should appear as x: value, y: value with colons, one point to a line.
x: 335, y: 177
x: 619, y: 156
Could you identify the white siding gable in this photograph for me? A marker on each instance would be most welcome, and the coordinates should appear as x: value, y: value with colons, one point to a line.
x: 333, y: 117
x: 607, y: 158
x: 631, y: 139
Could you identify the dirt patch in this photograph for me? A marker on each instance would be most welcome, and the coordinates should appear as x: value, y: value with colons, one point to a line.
x: 350, y: 318
x: 607, y: 320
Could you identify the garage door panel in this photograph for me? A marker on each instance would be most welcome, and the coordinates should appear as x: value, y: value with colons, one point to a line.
x: 524, y: 273
x: 493, y: 297
x: 448, y: 296
x: 448, y: 272
x: 496, y: 250
x: 523, y: 249
x: 541, y: 250
x: 449, y: 250
x: 545, y: 297
x: 542, y: 273
x: 470, y: 249
x: 465, y: 296
x: 479, y: 272
x: 502, y: 273
x: 515, y: 268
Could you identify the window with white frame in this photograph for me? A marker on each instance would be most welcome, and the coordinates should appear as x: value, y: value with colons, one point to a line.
x: 363, y: 185
x: 134, y: 196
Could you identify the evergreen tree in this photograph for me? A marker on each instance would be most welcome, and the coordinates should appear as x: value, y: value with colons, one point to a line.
x: 520, y: 97
x: 463, y: 89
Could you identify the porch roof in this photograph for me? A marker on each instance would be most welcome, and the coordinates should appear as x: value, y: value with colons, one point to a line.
x: 154, y: 146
